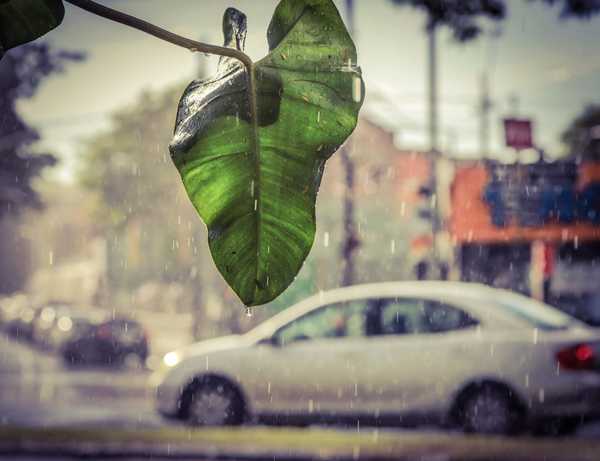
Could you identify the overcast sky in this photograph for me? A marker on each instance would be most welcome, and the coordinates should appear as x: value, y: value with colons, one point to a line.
x: 553, y: 67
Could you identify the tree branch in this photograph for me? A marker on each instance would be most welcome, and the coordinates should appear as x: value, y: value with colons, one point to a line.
x: 139, y: 24
x: 192, y: 45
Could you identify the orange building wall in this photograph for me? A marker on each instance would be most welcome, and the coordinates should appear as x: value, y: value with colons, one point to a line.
x: 470, y: 217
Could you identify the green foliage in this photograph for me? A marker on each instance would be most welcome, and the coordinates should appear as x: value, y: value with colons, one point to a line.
x: 21, y: 72
x: 135, y: 186
x: 462, y: 16
x: 23, y: 21
x: 459, y: 15
x: 254, y: 180
x: 581, y: 9
x: 128, y: 165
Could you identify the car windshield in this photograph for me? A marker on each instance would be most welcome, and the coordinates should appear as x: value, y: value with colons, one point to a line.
x: 300, y: 229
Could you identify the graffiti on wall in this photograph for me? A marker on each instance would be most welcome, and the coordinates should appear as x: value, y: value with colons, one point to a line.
x: 540, y: 194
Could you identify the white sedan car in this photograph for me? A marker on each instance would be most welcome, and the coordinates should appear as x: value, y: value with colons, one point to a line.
x: 485, y: 359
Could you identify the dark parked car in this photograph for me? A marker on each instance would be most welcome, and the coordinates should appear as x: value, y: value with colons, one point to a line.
x: 119, y: 341
x: 44, y: 323
x: 20, y: 326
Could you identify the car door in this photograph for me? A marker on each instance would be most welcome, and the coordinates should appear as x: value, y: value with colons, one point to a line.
x: 309, y: 367
x: 414, y: 355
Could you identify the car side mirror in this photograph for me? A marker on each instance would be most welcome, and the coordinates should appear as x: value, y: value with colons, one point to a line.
x: 270, y: 341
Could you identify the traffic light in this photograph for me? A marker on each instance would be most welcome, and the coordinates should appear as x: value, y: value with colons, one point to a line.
x: 426, y: 207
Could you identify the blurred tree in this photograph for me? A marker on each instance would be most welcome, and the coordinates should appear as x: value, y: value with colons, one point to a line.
x: 21, y: 72
x: 140, y: 204
x: 582, y: 136
x: 459, y: 15
x: 581, y: 9
x: 462, y: 16
x: 154, y: 237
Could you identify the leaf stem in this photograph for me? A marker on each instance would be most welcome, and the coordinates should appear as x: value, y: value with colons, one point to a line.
x: 192, y: 45
x: 158, y: 32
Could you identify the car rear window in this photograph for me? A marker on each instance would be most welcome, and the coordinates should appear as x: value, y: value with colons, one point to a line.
x: 534, y: 312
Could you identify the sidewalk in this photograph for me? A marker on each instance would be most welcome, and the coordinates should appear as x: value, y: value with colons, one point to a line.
x: 287, y: 444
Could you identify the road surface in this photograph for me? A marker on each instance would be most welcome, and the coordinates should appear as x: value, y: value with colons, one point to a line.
x: 37, y: 390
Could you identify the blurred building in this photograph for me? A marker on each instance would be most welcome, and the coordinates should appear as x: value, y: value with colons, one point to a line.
x: 387, y: 203
x: 534, y: 228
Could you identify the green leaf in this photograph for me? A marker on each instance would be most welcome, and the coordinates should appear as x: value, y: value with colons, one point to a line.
x: 254, y: 181
x: 23, y: 21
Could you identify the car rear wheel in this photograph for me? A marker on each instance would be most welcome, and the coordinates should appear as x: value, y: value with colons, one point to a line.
x: 490, y: 410
x: 133, y: 360
x: 214, y: 403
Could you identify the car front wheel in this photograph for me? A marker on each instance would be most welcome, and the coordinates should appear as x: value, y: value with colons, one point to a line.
x: 215, y: 403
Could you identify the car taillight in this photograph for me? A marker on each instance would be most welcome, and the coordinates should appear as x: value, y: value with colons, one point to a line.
x: 579, y: 357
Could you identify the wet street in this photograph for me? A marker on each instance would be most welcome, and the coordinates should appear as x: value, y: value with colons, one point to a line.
x: 36, y: 389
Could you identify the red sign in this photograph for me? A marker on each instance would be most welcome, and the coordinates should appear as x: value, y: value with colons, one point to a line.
x: 518, y: 133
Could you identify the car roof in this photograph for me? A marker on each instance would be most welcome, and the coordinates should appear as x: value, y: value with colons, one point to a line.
x: 429, y: 289
x: 425, y: 289
x: 463, y: 292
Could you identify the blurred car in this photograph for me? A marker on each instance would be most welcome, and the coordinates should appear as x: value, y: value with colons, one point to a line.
x: 20, y: 322
x: 480, y: 358
x: 73, y: 324
x: 4, y: 311
x: 44, y: 324
x: 11, y: 308
x: 116, y: 341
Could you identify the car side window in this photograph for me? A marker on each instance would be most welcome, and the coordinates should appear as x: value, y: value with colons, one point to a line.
x: 339, y: 320
x: 401, y: 316
x: 440, y: 317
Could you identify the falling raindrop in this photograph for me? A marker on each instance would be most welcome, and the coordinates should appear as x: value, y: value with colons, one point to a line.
x: 357, y: 89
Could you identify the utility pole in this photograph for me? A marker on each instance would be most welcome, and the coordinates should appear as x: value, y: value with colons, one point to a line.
x: 486, y: 104
x: 434, y: 152
x: 485, y: 107
x: 433, y: 99
x: 351, y: 241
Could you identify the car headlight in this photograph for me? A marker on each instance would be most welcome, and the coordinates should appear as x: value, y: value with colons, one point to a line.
x: 171, y: 359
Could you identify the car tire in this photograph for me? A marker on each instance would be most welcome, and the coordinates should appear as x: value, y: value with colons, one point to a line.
x: 134, y: 361
x: 72, y: 360
x: 213, y: 402
x: 490, y: 410
x: 557, y: 427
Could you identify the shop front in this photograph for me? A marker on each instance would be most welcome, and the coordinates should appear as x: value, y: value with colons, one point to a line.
x: 531, y: 228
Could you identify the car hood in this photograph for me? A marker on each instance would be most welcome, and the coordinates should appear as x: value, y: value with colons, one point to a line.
x: 212, y: 345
